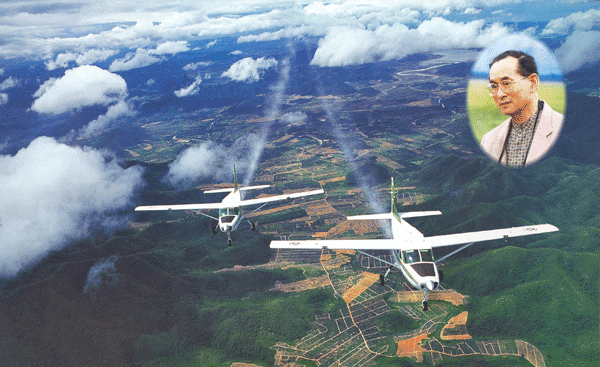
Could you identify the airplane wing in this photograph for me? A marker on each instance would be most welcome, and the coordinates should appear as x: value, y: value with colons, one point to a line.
x: 399, y: 243
x: 231, y: 189
x: 370, y: 244
x: 271, y: 199
x: 182, y: 207
x: 495, y: 234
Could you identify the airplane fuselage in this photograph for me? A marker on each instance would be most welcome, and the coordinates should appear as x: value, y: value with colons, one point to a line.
x: 230, y: 219
x: 418, y: 268
x: 415, y: 262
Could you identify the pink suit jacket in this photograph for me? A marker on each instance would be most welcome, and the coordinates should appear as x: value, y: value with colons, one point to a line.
x: 545, y: 136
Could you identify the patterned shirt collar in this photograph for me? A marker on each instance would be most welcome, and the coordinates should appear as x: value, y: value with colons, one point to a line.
x: 519, y: 141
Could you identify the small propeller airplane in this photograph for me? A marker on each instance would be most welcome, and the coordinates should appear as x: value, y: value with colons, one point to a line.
x: 230, y: 209
x: 411, y: 252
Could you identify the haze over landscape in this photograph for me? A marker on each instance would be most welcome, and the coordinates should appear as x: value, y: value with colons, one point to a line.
x: 106, y: 106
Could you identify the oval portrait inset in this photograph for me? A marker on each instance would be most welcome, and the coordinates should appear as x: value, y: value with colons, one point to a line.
x: 516, y: 101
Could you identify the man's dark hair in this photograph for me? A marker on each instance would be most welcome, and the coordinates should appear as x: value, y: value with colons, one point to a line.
x: 527, y: 65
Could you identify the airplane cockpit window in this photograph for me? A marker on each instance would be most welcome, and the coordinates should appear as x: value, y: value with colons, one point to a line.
x: 227, y: 218
x: 234, y: 211
x: 222, y: 212
x: 410, y: 256
x: 426, y: 255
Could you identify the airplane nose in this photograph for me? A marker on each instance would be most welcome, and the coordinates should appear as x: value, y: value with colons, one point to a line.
x: 431, y: 285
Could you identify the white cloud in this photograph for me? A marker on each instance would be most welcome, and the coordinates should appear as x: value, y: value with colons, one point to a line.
x: 296, y: 117
x: 51, y: 194
x: 171, y: 48
x: 121, y: 108
x: 211, y: 160
x: 80, y: 87
x: 196, y: 65
x: 3, y: 99
x: 248, y: 69
x: 89, y: 57
x: 211, y: 44
x: 236, y: 52
x: 93, y: 56
x: 189, y: 90
x: 580, y: 21
x: 344, y: 46
x: 472, y: 11
x: 8, y: 83
x: 62, y: 61
x: 139, y: 59
x: 579, y: 49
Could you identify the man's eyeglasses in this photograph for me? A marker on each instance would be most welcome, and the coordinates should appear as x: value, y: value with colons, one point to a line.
x: 506, y: 85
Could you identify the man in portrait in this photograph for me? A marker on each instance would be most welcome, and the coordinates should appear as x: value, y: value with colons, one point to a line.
x: 532, y: 126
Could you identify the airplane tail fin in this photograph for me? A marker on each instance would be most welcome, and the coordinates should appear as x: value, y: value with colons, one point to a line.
x: 408, y: 214
x: 393, y: 210
x: 235, y: 184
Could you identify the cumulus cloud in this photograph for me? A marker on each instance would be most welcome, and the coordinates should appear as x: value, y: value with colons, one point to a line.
x: 3, y: 99
x: 89, y: 57
x: 8, y: 83
x: 580, y: 21
x: 101, y: 276
x: 248, y: 69
x: 121, y: 108
x: 344, y: 46
x: 191, y: 89
x: 579, y: 49
x: 296, y: 117
x: 80, y: 87
x: 171, y: 48
x: 61, y: 61
x: 211, y: 160
x: 141, y: 58
x: 471, y: 11
x: 51, y: 194
x: 196, y: 65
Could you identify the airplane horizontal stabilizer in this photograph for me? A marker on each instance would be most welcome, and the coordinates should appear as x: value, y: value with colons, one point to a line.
x: 182, y: 207
x: 495, y: 234
x: 231, y: 189
x: 419, y: 214
x: 270, y: 199
x: 372, y: 244
x: 372, y: 216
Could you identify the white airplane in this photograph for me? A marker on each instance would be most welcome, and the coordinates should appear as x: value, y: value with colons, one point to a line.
x: 230, y: 209
x: 411, y: 251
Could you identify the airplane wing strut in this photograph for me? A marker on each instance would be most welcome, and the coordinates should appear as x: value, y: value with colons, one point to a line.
x: 453, y: 252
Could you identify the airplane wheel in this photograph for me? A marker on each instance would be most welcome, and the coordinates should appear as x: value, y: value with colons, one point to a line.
x: 253, y: 226
x: 229, y: 243
x: 381, y: 279
x: 424, y: 305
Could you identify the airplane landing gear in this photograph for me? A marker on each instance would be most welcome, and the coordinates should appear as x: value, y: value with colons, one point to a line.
x: 229, y: 242
x: 382, y: 276
x: 252, y: 225
x: 424, y: 302
x: 214, y: 227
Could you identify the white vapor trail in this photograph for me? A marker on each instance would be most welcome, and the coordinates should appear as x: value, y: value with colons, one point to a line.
x: 342, y: 140
x: 272, y: 113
